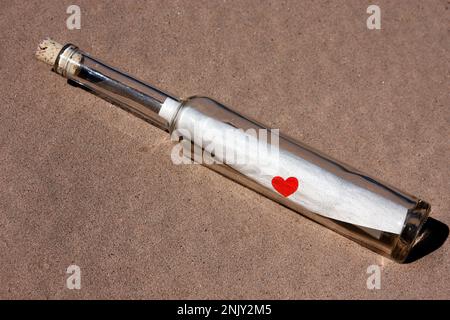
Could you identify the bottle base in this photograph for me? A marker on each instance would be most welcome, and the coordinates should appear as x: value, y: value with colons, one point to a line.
x: 414, y: 222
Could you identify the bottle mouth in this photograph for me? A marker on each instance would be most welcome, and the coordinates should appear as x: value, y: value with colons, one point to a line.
x: 68, y: 61
x: 415, y: 219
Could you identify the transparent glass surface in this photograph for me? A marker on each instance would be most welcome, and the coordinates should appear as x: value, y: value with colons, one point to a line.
x: 350, y: 185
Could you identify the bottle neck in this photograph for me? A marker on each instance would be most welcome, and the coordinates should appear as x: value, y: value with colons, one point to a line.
x: 142, y: 99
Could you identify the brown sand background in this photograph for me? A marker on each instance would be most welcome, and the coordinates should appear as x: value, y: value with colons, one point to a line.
x: 83, y: 182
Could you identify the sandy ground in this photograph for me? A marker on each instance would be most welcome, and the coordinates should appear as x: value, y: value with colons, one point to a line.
x: 83, y: 182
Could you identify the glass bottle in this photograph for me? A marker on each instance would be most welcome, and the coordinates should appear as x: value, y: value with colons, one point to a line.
x: 338, y: 196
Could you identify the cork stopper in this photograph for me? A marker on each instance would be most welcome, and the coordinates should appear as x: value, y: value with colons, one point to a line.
x: 48, y: 51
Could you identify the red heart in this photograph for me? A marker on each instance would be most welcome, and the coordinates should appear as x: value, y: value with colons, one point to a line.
x: 285, y: 187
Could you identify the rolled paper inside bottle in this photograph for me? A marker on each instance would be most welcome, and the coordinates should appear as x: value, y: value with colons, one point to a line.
x: 319, y: 191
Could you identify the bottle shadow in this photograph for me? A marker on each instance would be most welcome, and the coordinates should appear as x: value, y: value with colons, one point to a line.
x: 431, y: 237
